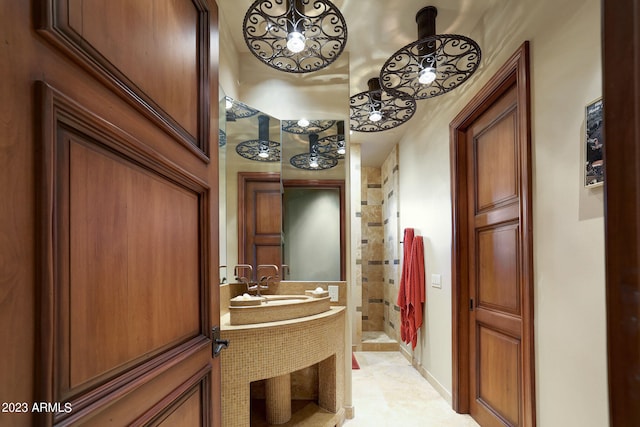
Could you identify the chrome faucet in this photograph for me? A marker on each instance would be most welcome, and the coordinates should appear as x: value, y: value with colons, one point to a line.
x: 263, y: 283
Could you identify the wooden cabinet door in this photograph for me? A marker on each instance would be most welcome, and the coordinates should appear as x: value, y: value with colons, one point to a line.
x: 109, y: 213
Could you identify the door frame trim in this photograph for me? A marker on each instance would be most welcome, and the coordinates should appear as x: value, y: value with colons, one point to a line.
x: 514, y: 71
x: 621, y: 86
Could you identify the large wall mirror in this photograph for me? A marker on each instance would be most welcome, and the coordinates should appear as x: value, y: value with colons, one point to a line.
x: 282, y: 194
x: 313, y: 180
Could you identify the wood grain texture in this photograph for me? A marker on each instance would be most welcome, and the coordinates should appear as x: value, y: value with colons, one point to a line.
x: 621, y: 84
x: 495, y: 211
x: 259, y: 219
x: 31, y: 229
x: 154, y: 54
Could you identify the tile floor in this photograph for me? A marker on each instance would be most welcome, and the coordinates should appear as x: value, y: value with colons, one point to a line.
x: 389, y: 392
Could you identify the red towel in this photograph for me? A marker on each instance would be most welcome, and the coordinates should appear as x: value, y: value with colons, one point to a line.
x: 404, y: 277
x: 416, y: 288
x: 411, y: 295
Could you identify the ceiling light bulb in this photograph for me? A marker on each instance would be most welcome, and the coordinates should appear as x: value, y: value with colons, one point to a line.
x: 342, y: 150
x: 375, y: 116
x: 263, y: 149
x: 228, y: 103
x: 427, y: 75
x: 295, y: 42
x: 303, y: 123
x: 313, y: 161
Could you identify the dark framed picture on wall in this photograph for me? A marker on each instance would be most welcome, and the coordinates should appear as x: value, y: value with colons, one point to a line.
x: 594, y: 142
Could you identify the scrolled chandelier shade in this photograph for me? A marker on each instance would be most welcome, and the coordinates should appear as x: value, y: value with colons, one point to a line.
x: 237, y: 110
x: 261, y: 149
x: 334, y: 145
x: 306, y: 126
x: 222, y: 138
x: 377, y: 110
x: 314, y: 159
x: 434, y: 64
x: 296, y: 36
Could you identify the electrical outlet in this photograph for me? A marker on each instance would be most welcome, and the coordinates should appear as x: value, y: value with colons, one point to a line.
x: 333, y: 293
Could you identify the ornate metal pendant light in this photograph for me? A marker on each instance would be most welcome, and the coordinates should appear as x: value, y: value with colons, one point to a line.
x: 261, y: 149
x: 237, y: 110
x: 304, y: 126
x: 376, y: 110
x: 313, y: 160
x: 334, y: 145
x: 434, y: 64
x: 296, y: 36
x: 222, y: 138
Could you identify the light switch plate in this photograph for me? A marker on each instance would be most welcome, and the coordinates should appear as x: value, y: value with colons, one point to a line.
x: 333, y: 293
x: 436, y: 281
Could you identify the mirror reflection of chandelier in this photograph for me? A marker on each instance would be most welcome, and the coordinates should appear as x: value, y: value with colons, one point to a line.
x: 237, y: 110
x: 295, y: 36
x: 334, y: 145
x: 304, y: 126
x: 314, y: 159
x: 261, y: 149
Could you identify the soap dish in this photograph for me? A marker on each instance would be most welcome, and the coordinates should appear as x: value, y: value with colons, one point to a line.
x: 315, y: 294
x: 239, y: 301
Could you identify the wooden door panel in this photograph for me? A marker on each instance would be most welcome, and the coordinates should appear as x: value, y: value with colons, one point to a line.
x: 498, y: 285
x: 139, y: 300
x: 266, y: 254
x: 81, y: 249
x: 495, y: 159
x: 492, y: 251
x: 187, y: 405
x: 268, y: 206
x: 168, y: 79
x: 499, y: 374
x: 494, y: 264
x: 126, y: 297
x: 163, y: 33
x: 260, y: 221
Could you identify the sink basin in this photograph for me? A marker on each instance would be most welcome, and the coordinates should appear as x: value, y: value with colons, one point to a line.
x: 272, y: 308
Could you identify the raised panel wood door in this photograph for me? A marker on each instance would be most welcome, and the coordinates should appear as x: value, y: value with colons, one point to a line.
x: 495, y: 265
x: 111, y: 193
x: 493, y: 345
x: 260, y: 222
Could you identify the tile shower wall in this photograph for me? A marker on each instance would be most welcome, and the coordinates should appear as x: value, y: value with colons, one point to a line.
x: 392, y: 247
x: 372, y: 250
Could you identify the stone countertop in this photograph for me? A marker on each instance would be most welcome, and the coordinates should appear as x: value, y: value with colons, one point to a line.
x: 225, y: 320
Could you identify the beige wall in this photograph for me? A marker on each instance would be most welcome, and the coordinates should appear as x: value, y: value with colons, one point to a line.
x: 570, y: 332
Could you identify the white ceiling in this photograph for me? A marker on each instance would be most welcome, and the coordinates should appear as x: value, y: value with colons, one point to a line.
x: 376, y: 29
